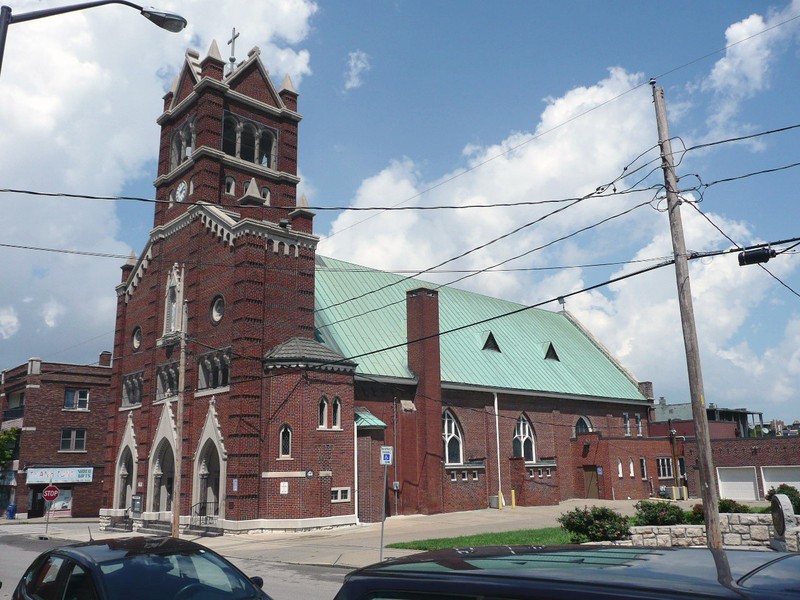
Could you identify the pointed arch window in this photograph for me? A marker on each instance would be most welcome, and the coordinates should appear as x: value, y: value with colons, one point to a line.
x: 619, y: 468
x: 583, y: 425
x: 631, y: 471
x: 247, y: 149
x: 230, y: 129
x: 337, y: 413
x: 230, y: 185
x: 286, y: 442
x: 453, y: 440
x: 524, y: 443
x: 322, y: 412
x: 266, y: 149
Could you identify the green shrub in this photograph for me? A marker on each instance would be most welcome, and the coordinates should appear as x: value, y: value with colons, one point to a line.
x: 696, y: 516
x: 790, y: 491
x: 658, y: 513
x: 726, y: 505
x: 595, y: 524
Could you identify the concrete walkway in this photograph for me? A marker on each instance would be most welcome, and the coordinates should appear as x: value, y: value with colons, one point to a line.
x: 354, y: 546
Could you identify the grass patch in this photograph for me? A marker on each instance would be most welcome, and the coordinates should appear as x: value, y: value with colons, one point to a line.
x: 545, y: 536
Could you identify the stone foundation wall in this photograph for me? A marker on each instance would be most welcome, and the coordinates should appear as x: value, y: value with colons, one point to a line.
x: 737, y: 530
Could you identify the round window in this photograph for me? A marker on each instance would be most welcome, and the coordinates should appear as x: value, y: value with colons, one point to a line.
x: 217, y: 309
x: 136, y: 339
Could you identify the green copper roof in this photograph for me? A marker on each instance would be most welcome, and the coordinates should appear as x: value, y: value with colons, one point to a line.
x: 534, y: 350
x: 366, y: 420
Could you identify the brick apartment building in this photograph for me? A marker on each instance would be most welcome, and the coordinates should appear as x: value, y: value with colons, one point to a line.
x: 747, y: 464
x: 300, y: 368
x: 59, y: 411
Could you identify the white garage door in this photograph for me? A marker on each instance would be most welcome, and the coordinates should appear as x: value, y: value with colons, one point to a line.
x: 774, y: 476
x: 737, y: 483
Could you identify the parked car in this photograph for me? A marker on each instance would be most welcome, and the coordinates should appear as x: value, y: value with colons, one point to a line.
x: 134, y: 568
x: 586, y: 572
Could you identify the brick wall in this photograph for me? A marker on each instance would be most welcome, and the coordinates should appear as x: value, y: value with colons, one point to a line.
x: 44, y: 418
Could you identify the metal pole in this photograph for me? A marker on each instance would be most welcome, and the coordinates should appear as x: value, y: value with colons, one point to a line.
x: 708, y: 486
x: 5, y: 21
x: 383, y: 504
x: 165, y: 20
x: 176, y: 492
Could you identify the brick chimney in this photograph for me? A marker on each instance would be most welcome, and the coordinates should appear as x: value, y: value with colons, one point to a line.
x: 422, y: 329
x: 105, y: 359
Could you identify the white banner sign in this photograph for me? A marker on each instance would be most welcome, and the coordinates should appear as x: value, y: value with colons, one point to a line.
x: 60, y: 475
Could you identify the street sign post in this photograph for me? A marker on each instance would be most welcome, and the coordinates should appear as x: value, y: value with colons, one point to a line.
x: 50, y: 495
x: 387, y: 453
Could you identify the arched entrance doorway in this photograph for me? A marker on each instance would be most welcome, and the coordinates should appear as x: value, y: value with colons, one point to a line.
x: 163, y: 477
x: 125, y: 475
x: 209, y: 480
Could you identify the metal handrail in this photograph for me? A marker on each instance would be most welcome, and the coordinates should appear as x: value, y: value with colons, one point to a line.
x: 205, y: 514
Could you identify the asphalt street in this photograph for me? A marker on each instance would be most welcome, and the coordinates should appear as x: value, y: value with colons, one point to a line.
x: 291, y: 557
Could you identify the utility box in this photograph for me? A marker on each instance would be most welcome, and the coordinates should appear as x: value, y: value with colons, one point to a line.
x: 494, y: 502
x: 136, y: 505
x: 680, y: 493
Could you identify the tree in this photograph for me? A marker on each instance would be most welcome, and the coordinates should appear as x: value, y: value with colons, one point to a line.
x: 8, y: 444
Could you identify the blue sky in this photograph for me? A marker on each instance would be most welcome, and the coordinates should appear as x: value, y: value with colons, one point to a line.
x: 445, y: 103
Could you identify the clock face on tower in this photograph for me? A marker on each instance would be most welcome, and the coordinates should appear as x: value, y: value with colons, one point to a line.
x: 180, y: 193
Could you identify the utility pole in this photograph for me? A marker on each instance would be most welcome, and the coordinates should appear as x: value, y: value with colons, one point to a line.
x: 176, y: 491
x: 708, y: 486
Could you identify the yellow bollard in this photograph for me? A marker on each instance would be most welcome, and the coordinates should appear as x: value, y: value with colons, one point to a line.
x: 513, y: 498
x: 500, y: 500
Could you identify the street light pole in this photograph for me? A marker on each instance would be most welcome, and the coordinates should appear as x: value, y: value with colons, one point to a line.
x: 166, y: 20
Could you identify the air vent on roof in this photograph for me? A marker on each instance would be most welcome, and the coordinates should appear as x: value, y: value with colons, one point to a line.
x: 551, y: 353
x: 491, y: 343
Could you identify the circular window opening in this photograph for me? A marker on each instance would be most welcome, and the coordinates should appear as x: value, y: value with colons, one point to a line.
x: 217, y: 309
x: 136, y: 339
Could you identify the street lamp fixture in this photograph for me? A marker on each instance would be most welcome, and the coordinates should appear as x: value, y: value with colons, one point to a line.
x: 166, y: 20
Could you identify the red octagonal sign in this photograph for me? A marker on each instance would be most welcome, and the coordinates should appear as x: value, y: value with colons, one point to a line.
x: 50, y: 493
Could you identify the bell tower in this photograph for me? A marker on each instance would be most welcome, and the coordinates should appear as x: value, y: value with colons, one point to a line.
x: 229, y: 139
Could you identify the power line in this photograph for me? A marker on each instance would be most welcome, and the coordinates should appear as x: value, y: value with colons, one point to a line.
x: 726, y: 236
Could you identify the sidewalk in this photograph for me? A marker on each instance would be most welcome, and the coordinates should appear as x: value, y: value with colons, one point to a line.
x: 354, y: 546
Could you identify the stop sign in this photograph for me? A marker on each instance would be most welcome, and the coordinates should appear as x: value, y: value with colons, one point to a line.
x: 50, y: 493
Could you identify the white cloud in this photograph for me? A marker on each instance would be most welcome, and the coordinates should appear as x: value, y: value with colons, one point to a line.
x: 52, y: 311
x: 9, y: 322
x: 357, y: 65
x: 744, y: 70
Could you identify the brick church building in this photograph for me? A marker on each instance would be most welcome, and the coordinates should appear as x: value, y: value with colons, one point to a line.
x: 299, y: 368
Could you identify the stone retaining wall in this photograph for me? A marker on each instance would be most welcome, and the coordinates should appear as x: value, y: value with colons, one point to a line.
x: 737, y: 530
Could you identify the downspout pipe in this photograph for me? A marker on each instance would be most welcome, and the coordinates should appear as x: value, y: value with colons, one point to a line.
x: 500, y: 501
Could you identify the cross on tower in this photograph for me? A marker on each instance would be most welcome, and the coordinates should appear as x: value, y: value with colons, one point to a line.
x: 232, y: 44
